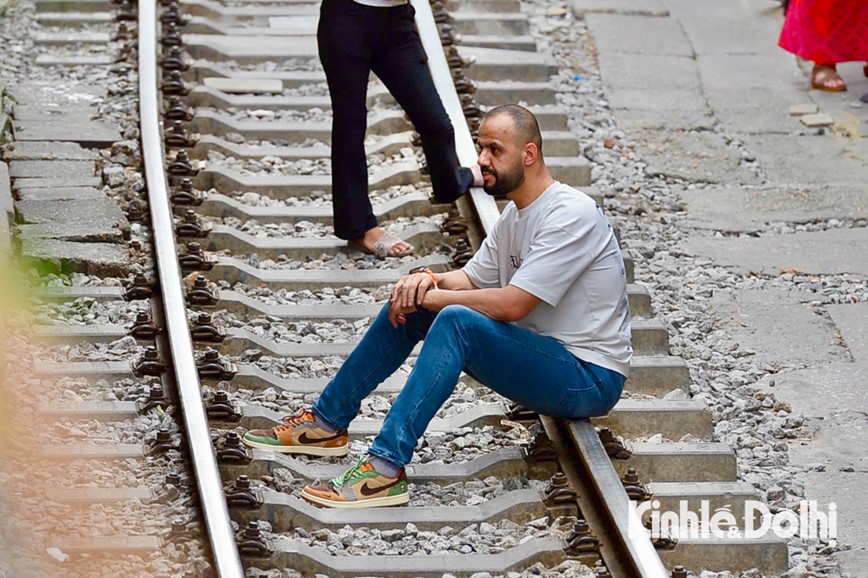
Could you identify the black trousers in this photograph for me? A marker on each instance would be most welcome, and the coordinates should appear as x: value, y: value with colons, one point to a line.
x: 354, y: 40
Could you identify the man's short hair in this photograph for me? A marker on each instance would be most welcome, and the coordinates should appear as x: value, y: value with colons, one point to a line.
x: 525, y: 123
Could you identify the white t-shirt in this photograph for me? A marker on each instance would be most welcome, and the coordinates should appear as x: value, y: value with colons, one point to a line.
x: 381, y: 3
x: 562, y: 249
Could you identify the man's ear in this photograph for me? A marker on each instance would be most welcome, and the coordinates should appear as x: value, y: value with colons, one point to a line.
x: 530, y: 154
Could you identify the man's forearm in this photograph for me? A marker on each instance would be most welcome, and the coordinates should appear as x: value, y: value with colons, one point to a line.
x: 489, y: 302
x: 454, y: 281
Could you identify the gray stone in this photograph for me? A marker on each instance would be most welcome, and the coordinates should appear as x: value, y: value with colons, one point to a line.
x: 51, y: 169
x: 622, y: 34
x: 59, y: 194
x: 743, y: 210
x: 697, y: 157
x: 808, y: 160
x: 824, y: 252
x: 765, y: 321
x: 102, y: 213
x: 648, y: 72
x: 53, y: 256
x: 48, y: 150
x: 650, y: 7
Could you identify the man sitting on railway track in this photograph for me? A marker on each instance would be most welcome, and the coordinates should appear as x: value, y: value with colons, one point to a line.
x: 539, y: 315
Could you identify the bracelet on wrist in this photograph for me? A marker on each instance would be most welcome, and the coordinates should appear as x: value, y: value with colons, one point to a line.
x: 429, y: 272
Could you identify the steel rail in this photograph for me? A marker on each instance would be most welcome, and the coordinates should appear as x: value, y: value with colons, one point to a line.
x: 627, y: 549
x: 224, y: 551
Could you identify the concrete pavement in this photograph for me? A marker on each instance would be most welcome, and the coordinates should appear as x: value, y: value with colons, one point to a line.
x: 703, y: 90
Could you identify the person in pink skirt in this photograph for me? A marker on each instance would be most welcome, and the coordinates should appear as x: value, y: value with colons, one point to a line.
x: 827, y: 32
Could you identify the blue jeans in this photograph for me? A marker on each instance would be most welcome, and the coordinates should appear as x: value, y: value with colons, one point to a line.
x: 535, y: 371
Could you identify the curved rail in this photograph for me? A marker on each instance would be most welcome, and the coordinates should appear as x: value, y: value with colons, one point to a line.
x: 216, y: 515
x: 627, y: 551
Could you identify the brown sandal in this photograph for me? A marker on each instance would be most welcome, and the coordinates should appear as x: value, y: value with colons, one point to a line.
x: 822, y: 74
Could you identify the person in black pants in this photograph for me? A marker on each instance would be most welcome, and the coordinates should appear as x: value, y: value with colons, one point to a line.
x: 355, y: 38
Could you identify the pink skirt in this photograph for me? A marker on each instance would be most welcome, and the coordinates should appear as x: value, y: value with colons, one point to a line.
x: 827, y: 31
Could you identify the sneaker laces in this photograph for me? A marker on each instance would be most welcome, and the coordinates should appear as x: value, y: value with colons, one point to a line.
x: 290, y: 421
x: 352, y: 475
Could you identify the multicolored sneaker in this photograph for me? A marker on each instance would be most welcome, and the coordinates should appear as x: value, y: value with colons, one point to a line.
x: 299, y: 434
x: 360, y: 487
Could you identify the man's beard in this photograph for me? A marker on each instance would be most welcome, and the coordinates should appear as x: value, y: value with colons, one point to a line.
x: 506, y: 182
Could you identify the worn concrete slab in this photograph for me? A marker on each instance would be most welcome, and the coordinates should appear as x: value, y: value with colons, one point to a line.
x: 649, y: 7
x: 746, y: 118
x: 752, y: 92
x: 51, y: 169
x: 646, y: 72
x: 765, y: 321
x: 728, y: 35
x: 7, y: 209
x: 87, y: 37
x: 73, y: 94
x: 74, y: 60
x: 101, y: 259
x: 817, y: 120
x: 697, y: 157
x: 658, y: 100
x: 807, y: 160
x: 822, y: 252
x: 744, y: 210
x: 56, y: 182
x: 852, y: 321
x: 497, y: 64
x: 250, y: 49
x: 834, y: 400
x: 48, y: 150
x: 632, y: 34
x: 245, y: 85
x: 5, y: 125
x: 80, y: 232
x: 55, y: 112
x: 59, y: 194
x: 97, y: 212
x: 87, y: 133
x: 672, y: 120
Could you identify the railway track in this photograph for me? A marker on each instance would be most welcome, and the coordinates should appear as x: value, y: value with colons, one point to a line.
x: 258, y: 304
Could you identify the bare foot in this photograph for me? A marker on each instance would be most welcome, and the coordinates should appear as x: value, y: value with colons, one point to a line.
x: 827, y: 78
x: 377, y: 242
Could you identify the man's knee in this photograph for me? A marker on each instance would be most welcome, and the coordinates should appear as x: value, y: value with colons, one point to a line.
x: 454, y: 315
